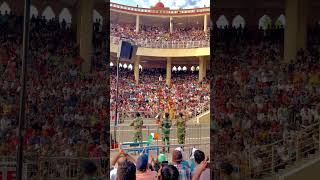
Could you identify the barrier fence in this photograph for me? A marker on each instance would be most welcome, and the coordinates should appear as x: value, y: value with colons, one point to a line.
x: 195, y: 133
x: 51, y: 168
x: 68, y: 168
x: 267, y: 160
x: 205, y: 147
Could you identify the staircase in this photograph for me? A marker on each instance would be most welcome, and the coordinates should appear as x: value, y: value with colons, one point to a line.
x: 301, y: 152
x: 203, y: 118
x: 301, y: 168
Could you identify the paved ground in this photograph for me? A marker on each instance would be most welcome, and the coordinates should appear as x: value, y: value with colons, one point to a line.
x: 195, y: 134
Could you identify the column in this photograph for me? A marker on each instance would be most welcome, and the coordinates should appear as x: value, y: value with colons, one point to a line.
x: 296, y: 28
x: 84, y: 32
x: 201, y: 68
x: 171, y: 25
x: 204, y: 67
x: 205, y: 23
x: 136, y: 69
x: 169, y: 69
x: 137, y: 23
x: 302, y: 24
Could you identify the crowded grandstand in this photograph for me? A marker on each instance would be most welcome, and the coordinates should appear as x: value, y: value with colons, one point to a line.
x: 65, y: 101
x: 162, y: 98
x: 266, y: 114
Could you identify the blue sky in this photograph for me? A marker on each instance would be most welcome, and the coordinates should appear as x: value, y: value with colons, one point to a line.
x: 167, y: 3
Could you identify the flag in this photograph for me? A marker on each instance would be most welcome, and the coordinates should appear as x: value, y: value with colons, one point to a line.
x: 150, y: 138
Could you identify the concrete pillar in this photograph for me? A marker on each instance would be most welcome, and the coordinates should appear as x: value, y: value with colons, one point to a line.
x: 137, y: 23
x: 84, y: 32
x: 201, y: 68
x: 296, y: 28
x: 205, y: 25
x: 169, y: 69
x: 302, y: 24
x: 171, y: 24
x: 205, y: 66
x: 136, y: 69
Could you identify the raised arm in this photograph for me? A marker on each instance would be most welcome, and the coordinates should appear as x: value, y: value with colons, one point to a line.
x: 199, y: 170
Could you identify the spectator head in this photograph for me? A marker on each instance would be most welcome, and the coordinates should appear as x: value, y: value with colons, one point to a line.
x: 226, y: 169
x: 169, y: 172
x: 89, y: 168
x: 142, y: 163
x: 167, y: 115
x: 181, y: 115
x: 162, y: 157
x: 126, y: 171
x: 199, y: 156
x: 177, y: 157
x: 156, y: 166
x: 138, y: 114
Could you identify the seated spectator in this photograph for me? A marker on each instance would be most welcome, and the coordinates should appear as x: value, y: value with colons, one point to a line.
x: 89, y: 170
x: 226, y: 171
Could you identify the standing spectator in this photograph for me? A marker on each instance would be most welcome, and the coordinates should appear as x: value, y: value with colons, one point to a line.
x: 199, y: 156
x: 184, y: 171
x: 143, y: 173
x: 126, y: 171
x: 168, y: 172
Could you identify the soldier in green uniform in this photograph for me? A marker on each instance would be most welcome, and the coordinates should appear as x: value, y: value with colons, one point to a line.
x: 137, y: 124
x: 181, y: 129
x: 165, y: 129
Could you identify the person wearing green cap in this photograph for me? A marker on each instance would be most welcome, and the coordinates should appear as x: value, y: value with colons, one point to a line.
x: 165, y: 125
x: 137, y: 124
x: 162, y: 158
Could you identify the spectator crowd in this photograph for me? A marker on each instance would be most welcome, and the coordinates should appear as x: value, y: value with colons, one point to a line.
x: 65, y: 108
x: 186, y: 95
x: 260, y: 99
x: 158, y: 34
x: 125, y: 167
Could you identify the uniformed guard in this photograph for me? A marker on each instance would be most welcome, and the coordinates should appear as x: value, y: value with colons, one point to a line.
x: 137, y: 124
x: 181, y: 129
x: 166, y: 125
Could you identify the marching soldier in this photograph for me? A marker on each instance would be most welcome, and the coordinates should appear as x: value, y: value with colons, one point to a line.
x: 181, y: 129
x: 137, y: 124
x: 166, y: 125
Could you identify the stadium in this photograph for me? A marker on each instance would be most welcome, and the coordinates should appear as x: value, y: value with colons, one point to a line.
x: 166, y: 79
x: 266, y: 84
x: 65, y: 99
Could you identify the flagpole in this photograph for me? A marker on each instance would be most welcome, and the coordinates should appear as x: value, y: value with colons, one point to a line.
x: 117, y: 92
x: 23, y: 88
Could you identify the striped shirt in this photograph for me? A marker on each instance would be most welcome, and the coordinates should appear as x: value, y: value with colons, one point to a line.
x: 184, y: 172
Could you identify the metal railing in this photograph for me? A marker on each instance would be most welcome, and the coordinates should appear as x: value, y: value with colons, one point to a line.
x: 205, y: 147
x: 195, y: 133
x: 165, y: 44
x: 266, y: 160
x: 52, y: 168
x: 160, y: 11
